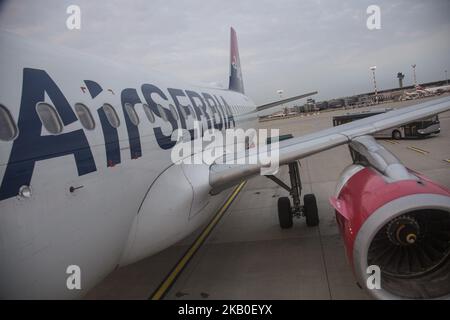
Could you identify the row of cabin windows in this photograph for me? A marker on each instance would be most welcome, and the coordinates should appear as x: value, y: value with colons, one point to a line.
x: 52, y: 122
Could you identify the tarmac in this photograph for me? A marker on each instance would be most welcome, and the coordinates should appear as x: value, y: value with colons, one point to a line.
x: 248, y: 256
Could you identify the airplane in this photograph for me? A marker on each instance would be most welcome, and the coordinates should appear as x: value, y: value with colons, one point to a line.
x: 87, y: 177
x: 433, y: 90
x: 416, y: 93
x: 420, y: 91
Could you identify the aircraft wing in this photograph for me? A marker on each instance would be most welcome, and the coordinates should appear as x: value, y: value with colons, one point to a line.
x: 224, y: 174
x: 280, y: 102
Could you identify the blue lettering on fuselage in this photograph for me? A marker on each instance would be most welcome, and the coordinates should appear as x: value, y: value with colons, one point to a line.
x: 111, y: 138
x: 165, y: 142
x: 30, y: 146
x: 130, y: 96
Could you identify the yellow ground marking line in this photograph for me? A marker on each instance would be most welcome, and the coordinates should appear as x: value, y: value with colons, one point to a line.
x: 172, y: 276
x: 393, y: 141
x: 418, y: 150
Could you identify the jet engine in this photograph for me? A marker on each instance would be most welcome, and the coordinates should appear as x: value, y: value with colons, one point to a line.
x: 396, y: 219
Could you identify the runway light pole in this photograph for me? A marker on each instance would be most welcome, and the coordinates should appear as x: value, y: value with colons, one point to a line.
x: 374, y: 83
x: 414, y: 74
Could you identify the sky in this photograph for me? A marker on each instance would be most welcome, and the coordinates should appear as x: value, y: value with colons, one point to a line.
x: 297, y: 46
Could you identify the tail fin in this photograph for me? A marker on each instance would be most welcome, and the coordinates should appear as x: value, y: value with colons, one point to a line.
x: 236, y: 82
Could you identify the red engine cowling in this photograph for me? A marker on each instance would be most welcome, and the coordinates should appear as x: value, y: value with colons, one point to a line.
x: 402, y: 226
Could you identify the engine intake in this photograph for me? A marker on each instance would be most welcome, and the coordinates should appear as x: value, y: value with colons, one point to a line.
x: 396, y: 219
x: 409, y: 239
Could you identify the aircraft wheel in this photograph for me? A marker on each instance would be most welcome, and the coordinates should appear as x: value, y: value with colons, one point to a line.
x: 284, y: 213
x: 396, y: 135
x: 311, y: 212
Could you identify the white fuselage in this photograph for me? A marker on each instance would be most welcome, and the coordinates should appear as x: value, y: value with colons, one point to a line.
x: 94, y: 205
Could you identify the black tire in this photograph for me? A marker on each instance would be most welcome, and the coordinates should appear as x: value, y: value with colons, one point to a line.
x: 311, y: 212
x: 284, y: 213
x: 396, y: 135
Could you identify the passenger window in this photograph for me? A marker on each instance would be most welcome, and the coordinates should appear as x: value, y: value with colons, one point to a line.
x: 191, y: 111
x: 132, y: 114
x: 183, y: 112
x: 202, y: 111
x: 85, y: 116
x: 194, y: 112
x: 49, y: 118
x: 8, y: 128
x: 149, y: 113
x: 111, y: 115
x: 162, y: 112
x: 173, y: 111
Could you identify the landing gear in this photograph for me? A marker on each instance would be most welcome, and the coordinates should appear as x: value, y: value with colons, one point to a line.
x: 310, y: 209
x: 286, y: 212
x: 396, y: 135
